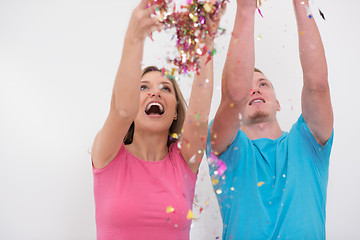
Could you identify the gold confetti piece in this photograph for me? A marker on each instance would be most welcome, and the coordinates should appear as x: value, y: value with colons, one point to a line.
x: 169, y: 209
x: 231, y: 104
x: 259, y: 37
x: 207, y: 7
x: 174, y: 135
x: 232, y: 189
x: 206, y: 202
x: 193, y: 17
x: 302, y: 33
x: 190, y: 215
x: 260, y: 184
x: 219, y: 191
x: 214, y: 181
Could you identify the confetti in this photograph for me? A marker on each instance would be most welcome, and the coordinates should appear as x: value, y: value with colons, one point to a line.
x: 260, y: 184
x: 190, y: 215
x: 214, y: 181
x: 191, y: 30
x: 322, y: 14
x: 192, y: 159
x: 308, y: 11
x: 174, y: 135
x: 217, y: 164
x: 258, y: 5
x: 169, y: 209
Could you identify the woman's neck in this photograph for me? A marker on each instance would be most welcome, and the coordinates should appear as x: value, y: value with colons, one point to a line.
x: 148, y: 146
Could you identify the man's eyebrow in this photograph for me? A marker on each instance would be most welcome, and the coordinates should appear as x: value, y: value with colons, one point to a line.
x: 266, y: 80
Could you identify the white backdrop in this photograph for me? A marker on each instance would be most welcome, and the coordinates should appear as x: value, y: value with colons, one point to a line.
x: 58, y: 60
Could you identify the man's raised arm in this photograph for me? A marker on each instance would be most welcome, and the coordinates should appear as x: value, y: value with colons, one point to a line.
x: 315, y: 100
x: 236, y: 79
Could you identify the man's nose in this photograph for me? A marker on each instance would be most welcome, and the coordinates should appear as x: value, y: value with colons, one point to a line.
x: 254, y: 91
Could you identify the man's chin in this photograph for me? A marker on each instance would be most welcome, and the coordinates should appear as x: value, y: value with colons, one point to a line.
x: 258, y: 116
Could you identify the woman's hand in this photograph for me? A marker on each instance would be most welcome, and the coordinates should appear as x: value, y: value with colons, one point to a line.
x: 141, y: 23
x: 213, y: 21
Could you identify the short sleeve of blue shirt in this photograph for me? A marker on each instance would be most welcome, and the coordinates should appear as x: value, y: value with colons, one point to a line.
x: 273, y: 189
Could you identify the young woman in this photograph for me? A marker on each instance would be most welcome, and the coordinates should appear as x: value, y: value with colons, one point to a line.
x: 144, y: 178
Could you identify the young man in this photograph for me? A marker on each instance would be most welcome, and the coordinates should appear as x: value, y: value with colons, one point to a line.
x: 275, y: 183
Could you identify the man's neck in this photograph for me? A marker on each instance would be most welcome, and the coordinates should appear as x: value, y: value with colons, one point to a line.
x: 266, y: 129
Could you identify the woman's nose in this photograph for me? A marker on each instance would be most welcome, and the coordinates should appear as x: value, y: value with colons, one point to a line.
x: 155, y: 92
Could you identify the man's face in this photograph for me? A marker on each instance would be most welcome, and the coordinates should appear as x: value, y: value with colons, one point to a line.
x: 262, y: 104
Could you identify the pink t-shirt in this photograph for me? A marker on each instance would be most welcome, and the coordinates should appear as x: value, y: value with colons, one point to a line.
x: 132, y: 197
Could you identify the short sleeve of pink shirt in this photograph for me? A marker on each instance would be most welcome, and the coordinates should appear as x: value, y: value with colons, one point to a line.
x: 132, y: 197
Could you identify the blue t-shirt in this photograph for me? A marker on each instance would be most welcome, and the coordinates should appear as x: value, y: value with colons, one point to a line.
x: 273, y: 189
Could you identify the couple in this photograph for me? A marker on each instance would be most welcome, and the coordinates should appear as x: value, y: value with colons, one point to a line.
x: 275, y: 185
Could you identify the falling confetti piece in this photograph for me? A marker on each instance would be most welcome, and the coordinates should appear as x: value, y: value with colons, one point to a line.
x: 308, y: 11
x: 259, y: 37
x: 322, y: 14
x: 169, y: 209
x: 219, y: 191
x: 260, y: 184
x: 217, y: 164
x: 192, y: 159
x: 190, y: 215
x: 214, y: 181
